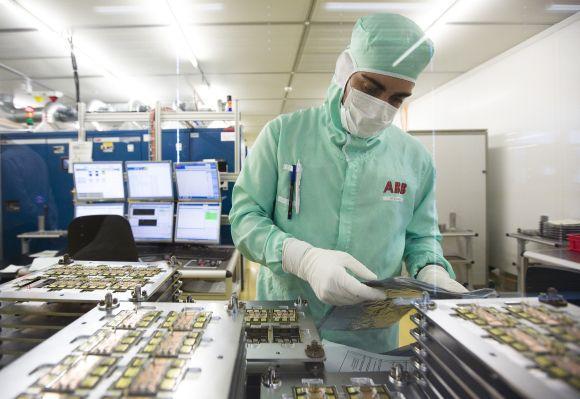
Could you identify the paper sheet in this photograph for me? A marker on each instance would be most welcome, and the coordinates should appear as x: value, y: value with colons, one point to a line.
x: 346, y: 359
x: 42, y: 263
x: 44, y: 254
x: 79, y: 151
x: 11, y: 269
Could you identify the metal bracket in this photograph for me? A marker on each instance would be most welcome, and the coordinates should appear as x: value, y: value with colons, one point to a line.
x: 397, y: 376
x: 234, y: 304
x: 300, y: 303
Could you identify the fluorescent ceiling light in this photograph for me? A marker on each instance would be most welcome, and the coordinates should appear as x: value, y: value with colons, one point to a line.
x: 439, y: 21
x: 564, y: 7
x: 118, y: 9
x: 181, y: 36
x: 371, y: 6
x: 53, y: 33
x: 208, y: 7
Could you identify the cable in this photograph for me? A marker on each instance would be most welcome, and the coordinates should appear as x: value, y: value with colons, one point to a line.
x: 75, y: 70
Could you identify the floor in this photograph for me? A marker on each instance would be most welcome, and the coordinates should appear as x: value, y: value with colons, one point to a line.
x: 249, y: 293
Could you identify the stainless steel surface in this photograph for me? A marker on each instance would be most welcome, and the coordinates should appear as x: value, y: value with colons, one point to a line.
x: 558, y: 258
x: 272, y: 353
x: 10, y: 291
x: 462, y: 357
x: 215, y: 368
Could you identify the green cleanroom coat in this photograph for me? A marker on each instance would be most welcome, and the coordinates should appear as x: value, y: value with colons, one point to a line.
x: 373, y: 198
x: 349, y: 201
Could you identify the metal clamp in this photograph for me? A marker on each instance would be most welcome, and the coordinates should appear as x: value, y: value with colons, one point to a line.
x: 425, y: 302
x: 138, y: 295
x: 270, y: 378
x: 397, y: 376
x: 315, y: 350
x: 65, y: 260
x: 234, y: 304
x: 299, y: 303
x: 109, y: 302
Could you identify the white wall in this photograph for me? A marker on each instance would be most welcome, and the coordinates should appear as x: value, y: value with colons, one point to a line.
x: 529, y: 100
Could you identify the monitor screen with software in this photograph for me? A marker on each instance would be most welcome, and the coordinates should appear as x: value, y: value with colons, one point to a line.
x: 99, y: 209
x: 149, y: 180
x: 198, y: 222
x: 151, y: 221
x: 197, y: 181
x: 99, y: 181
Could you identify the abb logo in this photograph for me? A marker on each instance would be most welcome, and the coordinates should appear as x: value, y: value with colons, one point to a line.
x: 397, y: 188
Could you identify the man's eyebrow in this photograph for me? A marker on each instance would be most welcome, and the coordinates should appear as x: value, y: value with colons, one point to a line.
x: 403, y: 94
x: 374, y: 81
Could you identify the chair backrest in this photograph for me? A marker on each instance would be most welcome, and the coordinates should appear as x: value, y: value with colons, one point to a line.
x: 101, y: 237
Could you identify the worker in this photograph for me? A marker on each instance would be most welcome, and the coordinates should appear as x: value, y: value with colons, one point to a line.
x: 337, y: 194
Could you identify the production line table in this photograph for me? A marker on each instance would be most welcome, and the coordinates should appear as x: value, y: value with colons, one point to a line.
x: 521, y: 261
x: 555, y: 258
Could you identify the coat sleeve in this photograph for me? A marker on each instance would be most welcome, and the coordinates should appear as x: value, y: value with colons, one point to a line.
x: 253, y: 199
x: 422, y: 240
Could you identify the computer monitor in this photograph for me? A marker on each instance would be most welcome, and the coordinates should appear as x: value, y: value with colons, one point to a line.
x: 198, y: 222
x: 151, y: 221
x: 149, y: 180
x: 197, y: 181
x: 96, y: 181
x: 99, y: 209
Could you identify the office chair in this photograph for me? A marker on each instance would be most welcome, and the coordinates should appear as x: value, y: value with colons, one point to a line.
x: 101, y: 238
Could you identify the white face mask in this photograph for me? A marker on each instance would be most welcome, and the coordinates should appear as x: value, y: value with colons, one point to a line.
x: 365, y: 116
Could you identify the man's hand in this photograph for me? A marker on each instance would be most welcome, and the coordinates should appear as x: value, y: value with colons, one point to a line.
x: 325, y: 271
x: 438, y: 276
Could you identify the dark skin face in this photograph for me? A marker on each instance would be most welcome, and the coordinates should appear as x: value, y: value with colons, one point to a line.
x: 387, y: 88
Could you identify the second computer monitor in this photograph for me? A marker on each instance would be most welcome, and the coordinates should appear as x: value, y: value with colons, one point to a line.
x: 151, y: 221
x: 99, y: 209
x: 198, y: 222
x: 197, y: 181
x: 149, y: 180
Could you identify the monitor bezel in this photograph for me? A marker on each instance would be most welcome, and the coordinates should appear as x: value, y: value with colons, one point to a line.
x: 198, y: 199
x: 159, y: 199
x: 141, y: 203
x: 206, y: 242
x: 76, y: 197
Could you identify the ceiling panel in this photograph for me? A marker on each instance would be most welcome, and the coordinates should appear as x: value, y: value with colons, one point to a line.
x: 260, y: 107
x: 421, y: 11
x: 462, y: 47
x: 504, y: 11
x: 28, y: 45
x: 51, y: 67
x: 250, y: 86
x: 328, y: 38
x: 312, y: 62
x: 235, y: 49
x: 232, y: 11
x: 310, y: 85
x: 424, y: 12
x: 72, y: 13
x: 136, y: 12
x: 136, y: 51
x: 295, y: 105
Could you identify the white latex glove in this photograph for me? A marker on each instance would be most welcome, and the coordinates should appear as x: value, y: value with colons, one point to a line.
x: 438, y: 276
x: 325, y: 271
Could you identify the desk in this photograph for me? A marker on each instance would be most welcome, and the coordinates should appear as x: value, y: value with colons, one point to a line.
x: 45, y: 234
x: 467, y: 259
x: 522, y: 241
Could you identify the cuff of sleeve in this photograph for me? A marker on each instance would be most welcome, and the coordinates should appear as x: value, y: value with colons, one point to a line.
x: 273, y: 251
x: 293, y: 251
x: 418, y: 261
